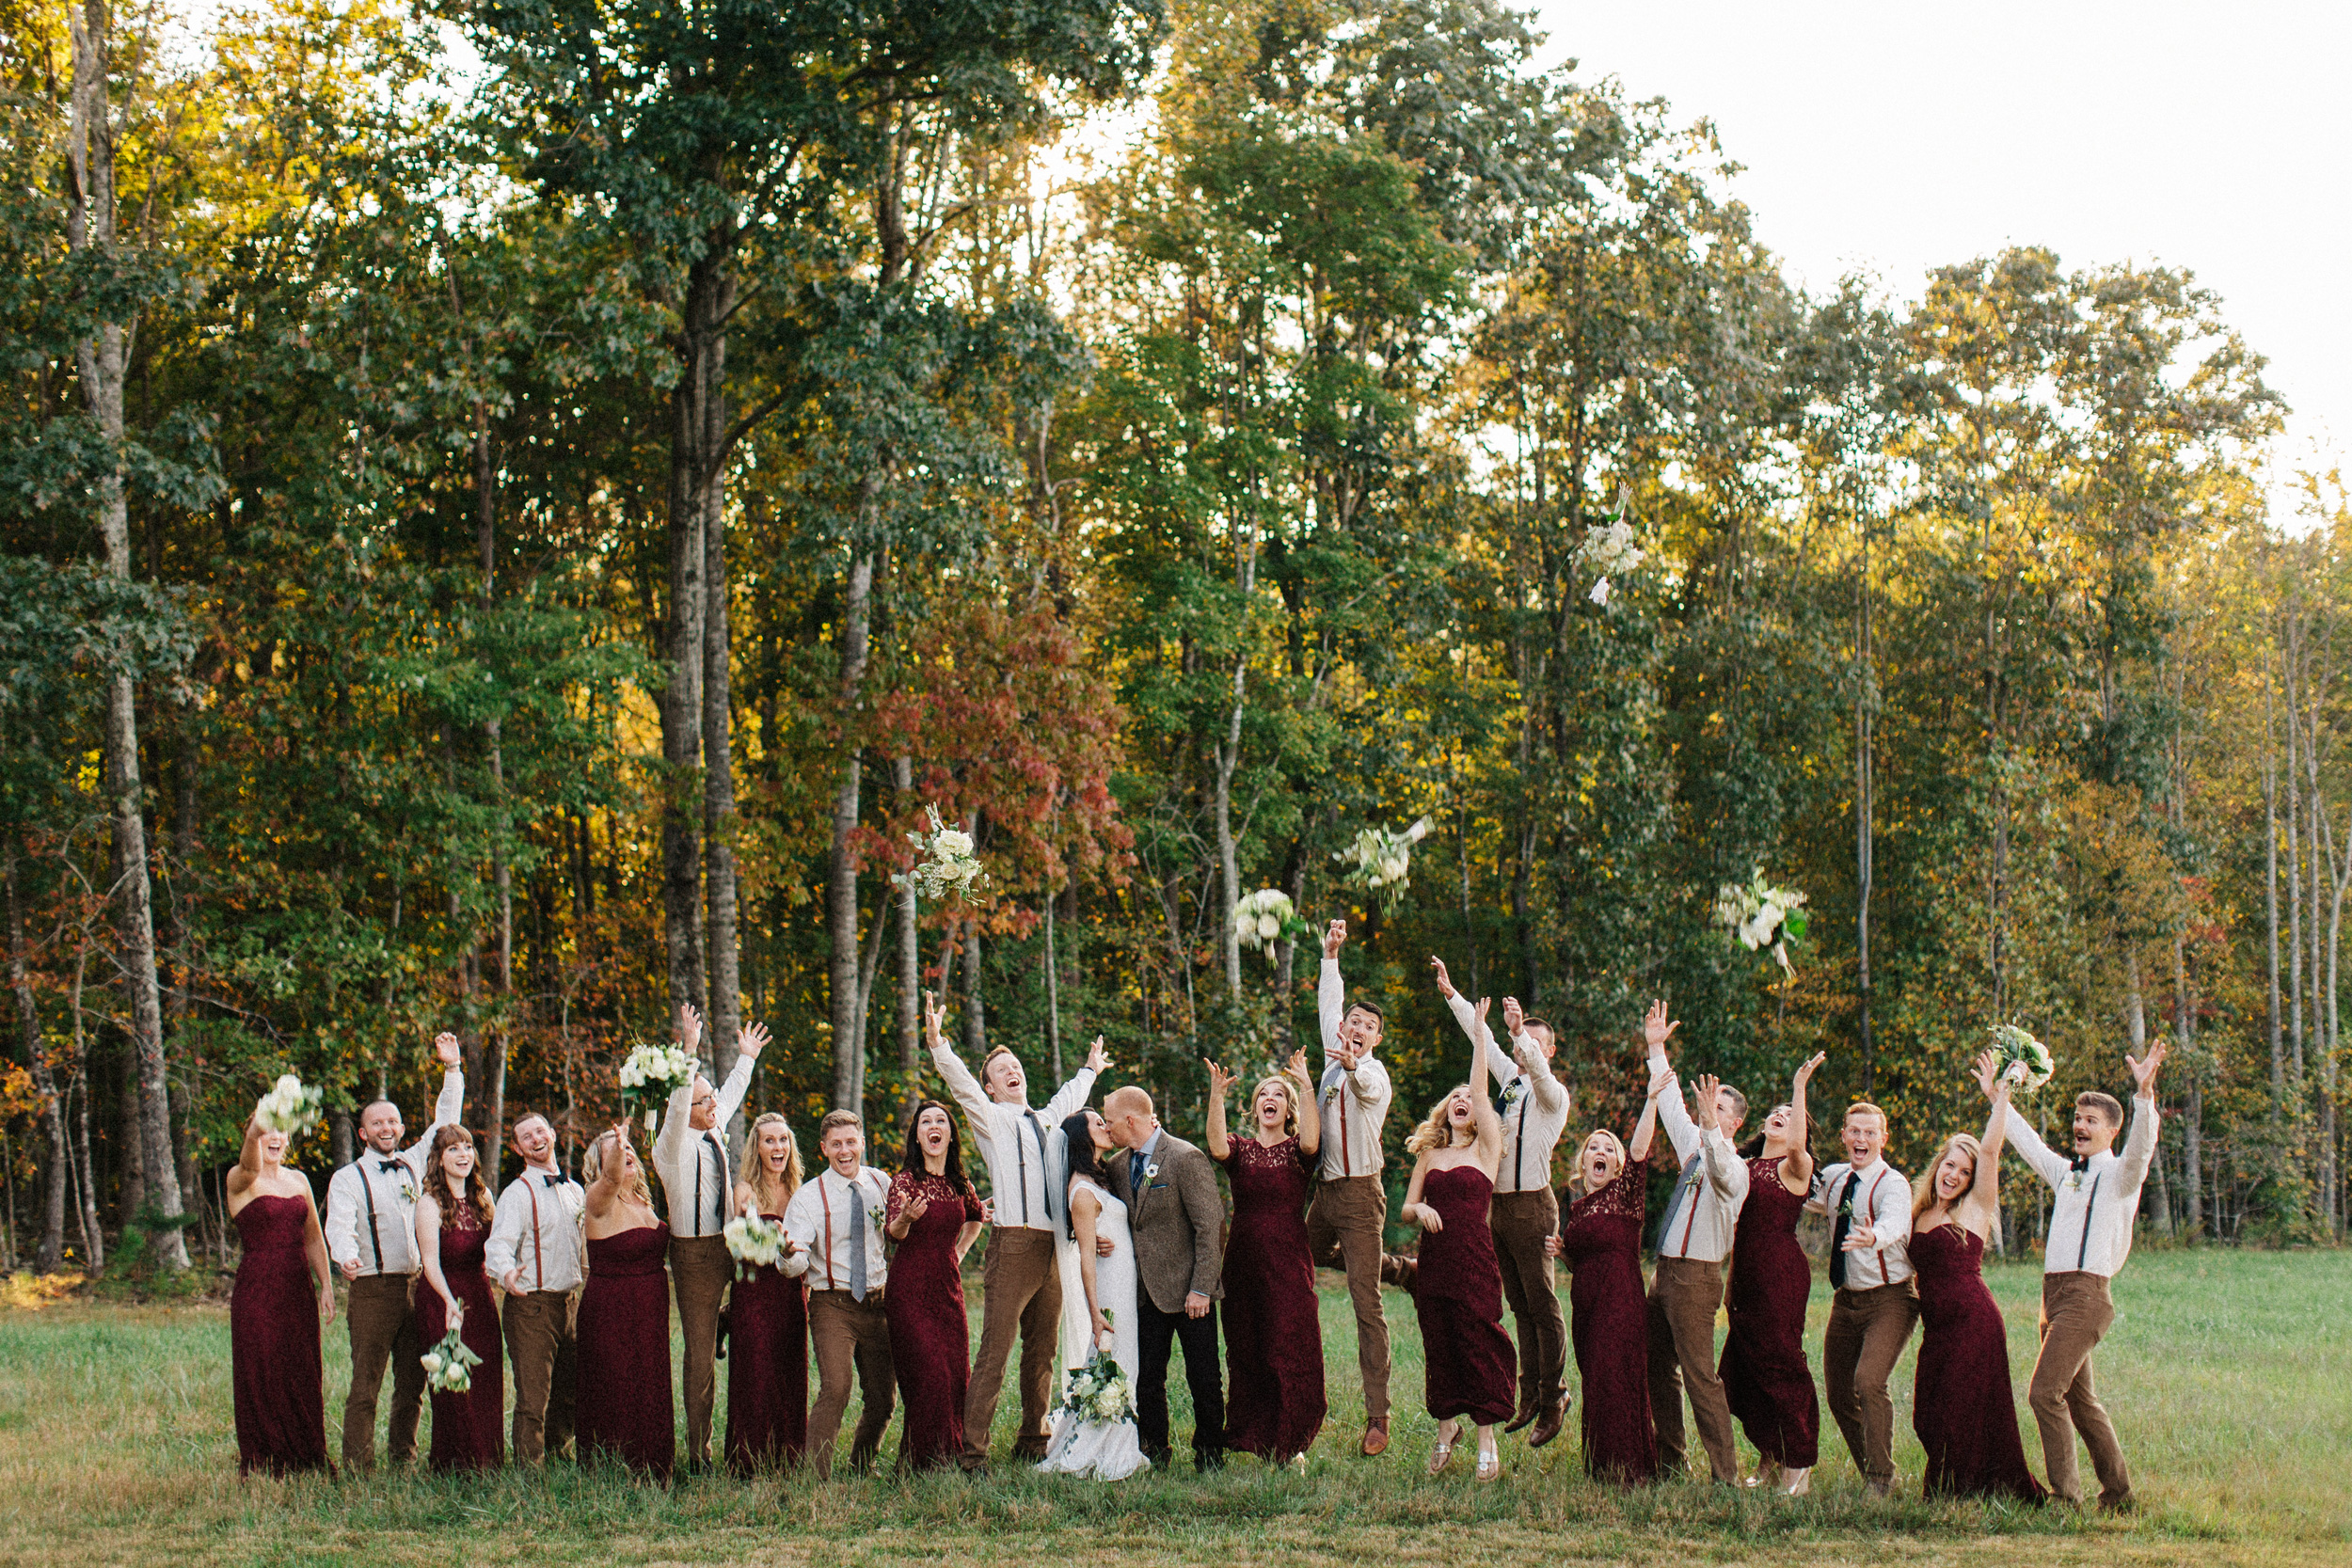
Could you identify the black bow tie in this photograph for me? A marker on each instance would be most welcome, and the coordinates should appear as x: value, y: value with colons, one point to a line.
x: 2080, y: 1162
x: 388, y: 1166
x: 552, y: 1181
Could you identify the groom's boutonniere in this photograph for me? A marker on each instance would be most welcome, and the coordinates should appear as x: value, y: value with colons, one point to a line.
x: 1150, y: 1171
x: 1514, y: 1091
x: 408, y: 1190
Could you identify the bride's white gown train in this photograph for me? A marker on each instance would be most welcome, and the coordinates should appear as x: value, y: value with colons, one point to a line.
x: 1107, y: 1451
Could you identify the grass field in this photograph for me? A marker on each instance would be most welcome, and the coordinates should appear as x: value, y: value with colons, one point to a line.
x: 2230, y: 1374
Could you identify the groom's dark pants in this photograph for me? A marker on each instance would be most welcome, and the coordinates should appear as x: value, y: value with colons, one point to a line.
x: 1203, y: 1375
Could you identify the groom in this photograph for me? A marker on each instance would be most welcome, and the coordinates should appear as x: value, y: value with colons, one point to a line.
x: 1178, y: 1220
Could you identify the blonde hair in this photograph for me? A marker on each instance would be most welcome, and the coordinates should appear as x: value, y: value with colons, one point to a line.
x: 1290, y: 1098
x: 757, y: 1177
x: 1436, y: 1132
x: 1984, y: 1179
x: 1576, y: 1176
x: 591, y: 1166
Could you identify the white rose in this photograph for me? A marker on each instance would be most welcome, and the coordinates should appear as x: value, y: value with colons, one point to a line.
x: 1268, y: 927
x: 955, y: 844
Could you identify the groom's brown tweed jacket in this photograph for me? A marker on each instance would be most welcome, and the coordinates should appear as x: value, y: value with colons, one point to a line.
x: 1178, y: 1222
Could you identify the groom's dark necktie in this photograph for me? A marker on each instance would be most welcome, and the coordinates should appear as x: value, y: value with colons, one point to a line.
x: 1135, y: 1175
x: 1837, y: 1234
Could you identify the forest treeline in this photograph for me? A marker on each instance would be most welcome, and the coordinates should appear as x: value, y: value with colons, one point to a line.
x: 514, y: 511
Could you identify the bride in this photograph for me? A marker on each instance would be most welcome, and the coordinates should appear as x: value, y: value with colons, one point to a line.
x: 1098, y: 1306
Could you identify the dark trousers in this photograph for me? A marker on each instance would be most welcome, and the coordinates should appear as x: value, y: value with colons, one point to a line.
x: 1684, y: 1297
x: 1203, y: 1375
x: 540, y: 1355
x: 381, y: 1312
x: 1867, y: 1330
x: 850, y: 1337
x: 1521, y: 1222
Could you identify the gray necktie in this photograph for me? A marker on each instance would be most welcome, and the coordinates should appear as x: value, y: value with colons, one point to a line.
x: 1038, y: 1127
x: 857, y: 1242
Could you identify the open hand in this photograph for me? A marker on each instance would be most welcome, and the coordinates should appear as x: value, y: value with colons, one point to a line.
x: 2144, y: 1068
x: 1296, y: 1070
x: 1656, y: 1028
x: 690, y: 1026
x: 751, y: 1039
x: 1445, y: 981
x: 1662, y: 1082
x: 445, y: 1047
x: 1219, y: 1080
x: 1708, y: 1087
x: 1097, y: 1057
x: 934, y: 1014
x: 1514, y: 1018
x: 1861, y: 1238
x: 1989, y: 1074
x: 1805, y: 1073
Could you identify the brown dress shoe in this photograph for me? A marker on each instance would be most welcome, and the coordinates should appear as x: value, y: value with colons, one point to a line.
x: 1401, y: 1270
x: 1549, y: 1428
x: 1376, y: 1438
x: 1526, y: 1414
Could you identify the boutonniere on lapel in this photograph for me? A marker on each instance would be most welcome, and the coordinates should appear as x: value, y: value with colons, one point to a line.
x: 874, y: 1215
x: 1514, y: 1091
x: 408, y: 1190
x: 1150, y: 1171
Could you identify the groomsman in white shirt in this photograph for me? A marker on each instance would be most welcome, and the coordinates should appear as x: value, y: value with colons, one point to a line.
x: 1877, y: 1303
x: 537, y: 1254
x: 2096, y: 1202
x: 1686, y: 1290
x: 371, y: 1235
x: 1350, y: 1207
x: 1021, y: 1283
x: 1525, y: 1215
x: 692, y: 1156
x: 832, y: 1231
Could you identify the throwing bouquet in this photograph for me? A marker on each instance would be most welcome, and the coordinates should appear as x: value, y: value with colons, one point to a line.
x: 653, y: 1072
x: 2023, y: 1061
x: 1608, y: 548
x: 449, y: 1365
x: 1383, y: 861
x: 948, y: 867
x: 291, y: 1108
x: 1761, y: 917
x: 1098, y: 1391
x: 1265, y: 917
x: 755, y: 1242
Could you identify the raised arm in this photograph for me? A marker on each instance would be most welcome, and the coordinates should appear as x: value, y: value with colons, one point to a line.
x: 1552, y: 1094
x: 1309, y: 1109
x: 749, y: 1041
x: 248, y: 1167
x: 449, y: 1107
x: 1661, y: 1086
x: 2029, y: 1147
x: 605, y: 1191
x: 1683, y: 1134
x: 1331, y: 991
x: 1072, y: 1096
x: 1983, y: 1192
x: 961, y: 1084
x: 1796, y: 1170
x: 1483, y: 1115
x: 1725, y: 1171
x: 1473, y: 1023
x: 2140, y: 1142
x: 1215, y: 1140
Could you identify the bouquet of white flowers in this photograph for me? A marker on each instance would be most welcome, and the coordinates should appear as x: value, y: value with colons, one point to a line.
x: 1098, y: 1391
x: 947, y: 867
x: 1762, y: 917
x: 291, y: 1108
x: 653, y: 1072
x: 449, y: 1365
x: 1265, y: 917
x: 1608, y: 548
x: 1383, y: 860
x: 2023, y: 1060
x: 755, y: 1242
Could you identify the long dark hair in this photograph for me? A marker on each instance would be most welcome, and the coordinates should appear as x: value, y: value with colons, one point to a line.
x: 436, y: 1180
x: 1754, y: 1147
x: 913, y: 1161
x: 1085, y: 1160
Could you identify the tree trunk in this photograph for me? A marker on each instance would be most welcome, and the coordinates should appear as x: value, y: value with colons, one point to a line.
x: 909, y: 945
x: 502, y: 868
x: 94, y: 1239
x: 682, y: 704
x: 849, y: 1054
x: 1228, y: 756
x: 176, y: 1000
x: 719, y: 818
x: 2270, y: 891
x: 1053, y: 995
x: 104, y: 359
x: 1865, y: 811
x: 975, y: 1000
x: 55, y: 1178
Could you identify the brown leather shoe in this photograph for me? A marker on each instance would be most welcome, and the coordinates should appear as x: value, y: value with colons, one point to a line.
x: 1526, y: 1414
x: 1402, y: 1270
x: 1549, y: 1428
x: 1376, y: 1437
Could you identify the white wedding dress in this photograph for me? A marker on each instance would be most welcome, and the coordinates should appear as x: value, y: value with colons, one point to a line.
x: 1105, y: 1450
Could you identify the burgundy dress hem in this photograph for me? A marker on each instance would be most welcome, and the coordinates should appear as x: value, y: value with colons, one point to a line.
x: 276, y: 1373
x: 930, y: 1334
x: 625, y: 1408
x: 1765, y: 1379
x: 1275, y: 1403
x: 1963, y: 1405
x: 1601, y: 1241
x: 1472, y: 1365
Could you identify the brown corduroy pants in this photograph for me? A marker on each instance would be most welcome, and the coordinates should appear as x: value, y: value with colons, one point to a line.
x: 1684, y: 1297
x: 539, y: 1354
x: 383, y: 1314
x: 1867, y: 1330
x: 1020, y: 1295
x: 1521, y: 1223
x: 1344, y: 1225
x: 2077, y: 1311
x: 699, y: 1270
x: 851, y: 1339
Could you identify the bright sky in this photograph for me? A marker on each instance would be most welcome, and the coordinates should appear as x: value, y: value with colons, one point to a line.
x: 1888, y: 137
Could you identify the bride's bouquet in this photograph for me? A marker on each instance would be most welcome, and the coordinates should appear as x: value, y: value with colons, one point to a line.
x: 1607, y: 548
x: 1383, y: 861
x: 291, y: 1108
x: 1761, y: 917
x: 1098, y: 1391
x: 755, y: 1242
x: 947, y: 867
x: 1265, y: 917
x: 449, y: 1365
x: 653, y: 1072
x: 2021, y: 1059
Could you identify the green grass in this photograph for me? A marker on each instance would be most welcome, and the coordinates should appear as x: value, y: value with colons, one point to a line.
x: 2230, y: 1375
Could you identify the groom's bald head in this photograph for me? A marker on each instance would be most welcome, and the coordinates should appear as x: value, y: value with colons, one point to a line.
x: 1127, y: 1112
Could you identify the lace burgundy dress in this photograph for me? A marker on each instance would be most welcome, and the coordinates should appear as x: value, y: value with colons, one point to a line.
x: 767, y: 1368
x: 931, y: 1337
x: 469, y: 1428
x: 274, y: 1360
x: 624, y: 1409
x: 1600, y: 1239
x: 1474, y: 1369
x: 1765, y: 1380
x: 1963, y: 1406
x: 1273, y: 1330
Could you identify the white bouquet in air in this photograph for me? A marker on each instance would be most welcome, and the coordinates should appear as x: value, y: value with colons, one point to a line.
x: 1264, y: 918
x: 947, y: 865
x: 1607, y: 548
x: 1761, y: 917
x: 2023, y: 1061
x: 449, y: 1365
x: 1098, y: 1391
x: 290, y: 1107
x: 653, y: 1072
x: 1383, y: 861
x: 755, y: 1242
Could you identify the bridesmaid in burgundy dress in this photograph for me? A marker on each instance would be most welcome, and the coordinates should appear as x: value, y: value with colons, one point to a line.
x: 1765, y: 1380
x: 624, y: 1405
x: 768, y: 1320
x: 1601, y: 1241
x: 935, y: 1214
x: 1273, y: 1329
x: 1963, y: 1406
x: 453, y: 1225
x: 283, y: 1294
x: 1473, y: 1369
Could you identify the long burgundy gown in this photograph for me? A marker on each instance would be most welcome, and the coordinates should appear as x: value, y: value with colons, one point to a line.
x: 1273, y: 1329
x: 1474, y: 1368
x: 1600, y: 1239
x: 623, y: 1408
x: 1962, y: 1406
x: 469, y: 1428
x: 1765, y: 1380
x: 766, y: 1369
x: 274, y: 1360
x: 931, y: 1338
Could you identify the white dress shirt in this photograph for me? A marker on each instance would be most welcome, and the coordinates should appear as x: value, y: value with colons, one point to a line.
x: 372, y: 1202
x: 819, y: 1218
x: 1354, y: 1104
x: 694, y: 1165
x: 538, y: 1227
x: 1882, y: 1200
x: 1700, y: 1225
x: 2091, y: 1218
x: 1012, y: 1140
x: 1534, y: 1103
